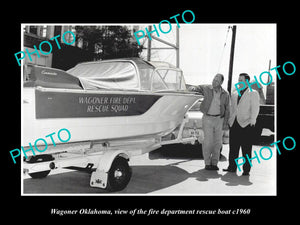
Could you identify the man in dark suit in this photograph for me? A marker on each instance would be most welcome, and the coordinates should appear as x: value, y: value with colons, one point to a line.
x: 243, y: 115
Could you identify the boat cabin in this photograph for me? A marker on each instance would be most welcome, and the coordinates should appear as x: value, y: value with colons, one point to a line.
x: 129, y: 74
x: 132, y: 74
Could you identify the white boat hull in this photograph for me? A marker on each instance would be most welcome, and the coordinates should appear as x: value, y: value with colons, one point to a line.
x: 161, y: 118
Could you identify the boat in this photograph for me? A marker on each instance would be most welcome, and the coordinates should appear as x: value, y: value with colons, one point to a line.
x: 104, y: 100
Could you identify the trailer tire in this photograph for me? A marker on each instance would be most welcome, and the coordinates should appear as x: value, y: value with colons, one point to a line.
x: 41, y: 174
x: 119, y: 174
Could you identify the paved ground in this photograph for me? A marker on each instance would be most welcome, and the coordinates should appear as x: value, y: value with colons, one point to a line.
x: 169, y: 175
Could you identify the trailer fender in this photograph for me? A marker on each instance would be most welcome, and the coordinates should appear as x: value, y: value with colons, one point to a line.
x: 107, y: 159
x: 99, y: 178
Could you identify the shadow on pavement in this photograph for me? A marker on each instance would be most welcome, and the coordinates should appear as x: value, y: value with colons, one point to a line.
x: 205, y: 175
x: 145, y: 179
x: 233, y: 180
x: 180, y: 151
x: 177, y: 151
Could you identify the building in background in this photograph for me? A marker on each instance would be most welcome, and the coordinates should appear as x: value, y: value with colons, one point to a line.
x: 33, y: 35
x: 91, y: 43
x: 64, y: 58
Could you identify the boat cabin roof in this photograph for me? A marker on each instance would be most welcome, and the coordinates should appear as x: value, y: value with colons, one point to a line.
x: 128, y: 74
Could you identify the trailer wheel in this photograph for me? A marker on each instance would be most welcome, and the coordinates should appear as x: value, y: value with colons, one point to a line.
x: 41, y: 174
x: 119, y: 174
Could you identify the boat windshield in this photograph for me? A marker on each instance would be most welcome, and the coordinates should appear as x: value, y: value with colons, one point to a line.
x: 168, y: 79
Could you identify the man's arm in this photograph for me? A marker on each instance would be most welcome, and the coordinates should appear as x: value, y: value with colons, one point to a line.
x: 198, y: 88
x: 254, y: 101
x: 233, y: 106
x: 227, y: 112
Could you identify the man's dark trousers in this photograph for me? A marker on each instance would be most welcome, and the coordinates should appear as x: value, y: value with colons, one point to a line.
x: 240, y: 137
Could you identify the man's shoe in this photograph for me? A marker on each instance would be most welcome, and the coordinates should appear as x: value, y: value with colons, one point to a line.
x: 229, y: 170
x: 213, y: 167
x: 245, y: 174
x: 207, y: 167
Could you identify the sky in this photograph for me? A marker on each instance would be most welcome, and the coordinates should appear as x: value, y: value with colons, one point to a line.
x: 202, y: 52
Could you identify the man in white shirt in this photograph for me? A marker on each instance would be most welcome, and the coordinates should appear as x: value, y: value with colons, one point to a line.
x: 243, y: 115
x: 215, y: 109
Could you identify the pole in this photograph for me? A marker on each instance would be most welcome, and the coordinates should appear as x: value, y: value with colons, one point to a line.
x: 149, y: 46
x: 177, y: 47
x: 269, y: 86
x: 231, y: 59
x: 269, y: 69
x: 173, y: 46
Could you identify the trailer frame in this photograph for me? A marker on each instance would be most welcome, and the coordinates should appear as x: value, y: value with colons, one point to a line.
x: 106, y: 160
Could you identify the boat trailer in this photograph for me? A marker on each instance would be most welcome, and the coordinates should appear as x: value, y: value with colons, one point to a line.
x: 107, y: 161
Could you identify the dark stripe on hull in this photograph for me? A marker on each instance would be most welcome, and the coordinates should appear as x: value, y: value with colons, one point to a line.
x: 76, y: 105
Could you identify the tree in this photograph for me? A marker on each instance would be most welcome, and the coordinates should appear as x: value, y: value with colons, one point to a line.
x: 107, y: 42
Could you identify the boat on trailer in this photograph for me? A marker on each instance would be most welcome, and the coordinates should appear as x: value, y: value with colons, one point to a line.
x: 113, y: 109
